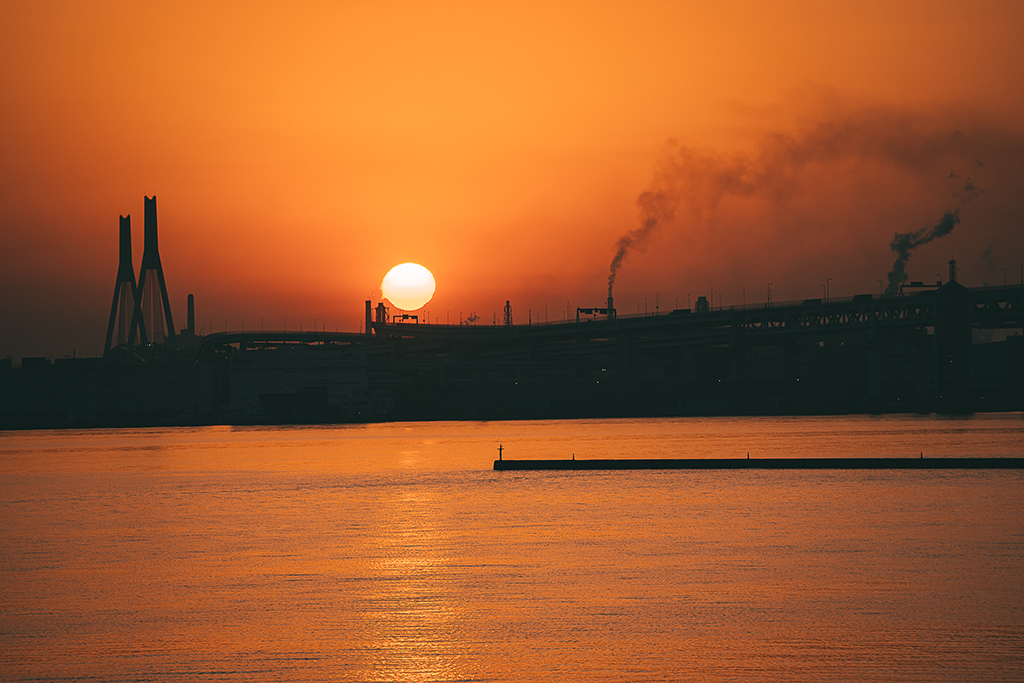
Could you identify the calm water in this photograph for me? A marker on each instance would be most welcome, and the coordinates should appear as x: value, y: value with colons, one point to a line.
x: 394, y: 553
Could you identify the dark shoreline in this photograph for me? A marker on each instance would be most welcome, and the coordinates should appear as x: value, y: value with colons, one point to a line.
x: 765, y: 464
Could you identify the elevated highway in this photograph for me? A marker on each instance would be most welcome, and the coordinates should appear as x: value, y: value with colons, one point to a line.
x: 986, y: 308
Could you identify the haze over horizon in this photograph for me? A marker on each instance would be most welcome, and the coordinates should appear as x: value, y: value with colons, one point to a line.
x: 298, y: 153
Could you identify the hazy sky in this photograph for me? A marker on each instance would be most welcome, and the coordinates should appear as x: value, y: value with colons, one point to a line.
x: 298, y: 151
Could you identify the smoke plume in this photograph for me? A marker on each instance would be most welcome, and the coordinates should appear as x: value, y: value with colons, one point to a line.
x: 904, y: 243
x: 686, y: 177
x: 655, y: 208
x: 786, y: 166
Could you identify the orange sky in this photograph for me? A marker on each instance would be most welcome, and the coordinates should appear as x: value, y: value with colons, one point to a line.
x: 298, y: 154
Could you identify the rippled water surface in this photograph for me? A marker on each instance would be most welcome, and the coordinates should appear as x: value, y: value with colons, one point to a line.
x: 394, y: 553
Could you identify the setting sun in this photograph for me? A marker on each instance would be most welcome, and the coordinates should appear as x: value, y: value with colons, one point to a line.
x: 408, y: 286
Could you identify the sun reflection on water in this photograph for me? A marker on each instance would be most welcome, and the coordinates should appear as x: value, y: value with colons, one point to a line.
x: 413, y: 611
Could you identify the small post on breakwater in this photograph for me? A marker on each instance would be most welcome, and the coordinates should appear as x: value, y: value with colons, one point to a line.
x: 499, y: 451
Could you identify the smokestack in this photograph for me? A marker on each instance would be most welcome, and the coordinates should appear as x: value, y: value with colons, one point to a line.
x: 191, y: 315
x: 611, y: 308
x: 369, y: 310
x: 125, y: 304
x: 952, y: 270
x: 155, y: 319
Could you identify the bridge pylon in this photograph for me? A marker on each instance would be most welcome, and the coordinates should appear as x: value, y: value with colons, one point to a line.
x: 125, y: 304
x: 153, y: 319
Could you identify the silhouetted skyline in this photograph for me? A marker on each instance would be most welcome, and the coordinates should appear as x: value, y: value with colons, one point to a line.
x: 520, y: 155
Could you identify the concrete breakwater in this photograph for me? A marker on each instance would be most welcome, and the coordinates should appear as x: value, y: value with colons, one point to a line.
x: 919, y: 463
